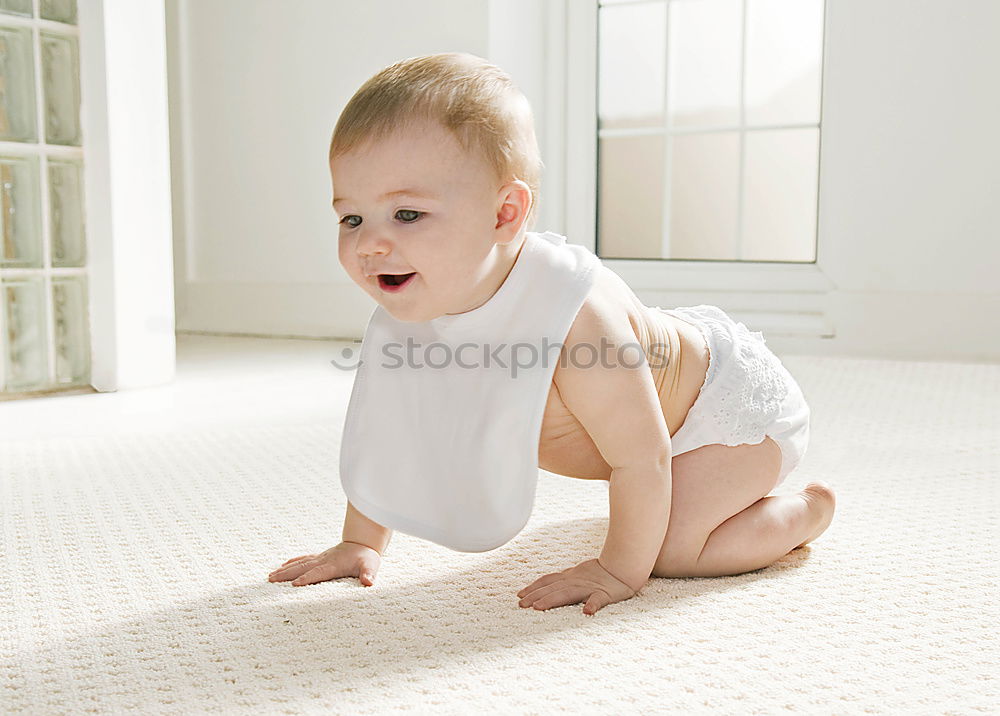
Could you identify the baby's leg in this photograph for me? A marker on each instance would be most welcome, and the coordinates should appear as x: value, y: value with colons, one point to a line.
x: 721, y: 521
x: 766, y: 531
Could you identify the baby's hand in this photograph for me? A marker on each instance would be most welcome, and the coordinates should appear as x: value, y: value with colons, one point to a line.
x: 347, y: 559
x: 586, y: 581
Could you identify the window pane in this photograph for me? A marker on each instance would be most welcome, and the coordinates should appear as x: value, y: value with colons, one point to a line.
x: 704, y: 82
x: 59, y: 10
x: 631, y: 55
x: 779, y: 211
x: 26, y: 357
x: 61, y: 79
x: 69, y: 307
x: 630, y: 201
x: 704, y: 193
x: 16, y: 7
x: 17, y: 86
x: 20, y: 232
x: 66, y: 213
x: 784, y: 55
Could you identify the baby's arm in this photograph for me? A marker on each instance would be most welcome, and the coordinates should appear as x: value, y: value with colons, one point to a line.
x: 361, y: 530
x: 615, y: 400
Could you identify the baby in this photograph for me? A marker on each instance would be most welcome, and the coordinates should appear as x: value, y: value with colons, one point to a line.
x: 436, y: 174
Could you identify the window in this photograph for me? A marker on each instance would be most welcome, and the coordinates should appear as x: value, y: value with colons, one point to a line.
x: 44, y: 336
x: 708, y: 129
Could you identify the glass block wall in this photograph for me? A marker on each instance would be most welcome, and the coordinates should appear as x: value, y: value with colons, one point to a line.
x: 44, y: 328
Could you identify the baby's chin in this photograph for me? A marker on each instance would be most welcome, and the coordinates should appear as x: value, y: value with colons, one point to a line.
x: 407, y: 314
x: 405, y: 318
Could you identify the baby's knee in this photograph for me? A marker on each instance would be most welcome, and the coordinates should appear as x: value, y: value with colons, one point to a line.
x: 673, y: 563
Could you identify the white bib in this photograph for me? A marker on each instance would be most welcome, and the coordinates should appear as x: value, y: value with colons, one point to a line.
x: 442, y: 429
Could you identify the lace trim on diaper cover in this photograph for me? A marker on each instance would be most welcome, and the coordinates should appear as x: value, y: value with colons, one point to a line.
x: 750, y: 383
x: 751, y: 401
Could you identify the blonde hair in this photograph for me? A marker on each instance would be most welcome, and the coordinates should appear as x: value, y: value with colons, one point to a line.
x: 476, y: 100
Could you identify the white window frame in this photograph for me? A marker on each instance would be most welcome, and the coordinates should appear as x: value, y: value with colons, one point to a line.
x: 126, y: 176
x: 782, y: 299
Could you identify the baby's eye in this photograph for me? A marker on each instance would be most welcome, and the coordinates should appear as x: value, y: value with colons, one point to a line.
x: 407, y: 212
x: 406, y: 215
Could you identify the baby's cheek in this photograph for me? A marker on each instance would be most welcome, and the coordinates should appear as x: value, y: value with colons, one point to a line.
x: 343, y: 255
x: 350, y: 263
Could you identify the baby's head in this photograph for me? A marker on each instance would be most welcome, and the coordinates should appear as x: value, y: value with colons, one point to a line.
x: 458, y: 136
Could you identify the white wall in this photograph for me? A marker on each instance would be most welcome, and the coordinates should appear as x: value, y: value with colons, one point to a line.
x: 256, y: 89
x: 909, y: 180
x: 909, y: 214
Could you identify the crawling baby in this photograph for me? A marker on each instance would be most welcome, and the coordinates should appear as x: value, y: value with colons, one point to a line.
x: 686, y: 414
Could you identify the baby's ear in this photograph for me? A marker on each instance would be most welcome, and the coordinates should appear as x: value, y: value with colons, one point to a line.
x: 515, y: 202
x: 507, y: 214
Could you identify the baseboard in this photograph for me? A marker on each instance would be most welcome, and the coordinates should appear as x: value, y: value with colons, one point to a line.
x: 909, y: 326
x: 308, y: 310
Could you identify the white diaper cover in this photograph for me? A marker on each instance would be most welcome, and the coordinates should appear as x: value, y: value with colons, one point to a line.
x: 748, y: 394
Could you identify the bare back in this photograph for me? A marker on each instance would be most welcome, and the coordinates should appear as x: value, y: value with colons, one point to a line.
x: 672, y: 346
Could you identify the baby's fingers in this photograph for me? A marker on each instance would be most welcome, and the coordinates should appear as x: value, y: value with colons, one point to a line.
x: 295, y: 559
x: 534, y: 597
x: 285, y: 573
x: 290, y: 571
x: 597, y: 600
x: 560, y: 597
x: 319, y: 573
x: 542, y: 581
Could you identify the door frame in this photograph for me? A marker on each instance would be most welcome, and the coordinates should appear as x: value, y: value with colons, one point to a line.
x: 123, y: 85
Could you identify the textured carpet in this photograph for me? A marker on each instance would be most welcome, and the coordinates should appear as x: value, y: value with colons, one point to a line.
x: 139, y: 529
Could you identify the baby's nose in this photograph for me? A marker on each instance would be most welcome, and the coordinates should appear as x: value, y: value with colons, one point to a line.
x: 373, y: 247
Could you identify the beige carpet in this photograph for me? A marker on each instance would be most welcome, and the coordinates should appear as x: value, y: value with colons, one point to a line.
x: 139, y: 529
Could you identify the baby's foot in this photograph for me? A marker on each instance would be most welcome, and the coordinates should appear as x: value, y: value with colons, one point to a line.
x: 821, y: 501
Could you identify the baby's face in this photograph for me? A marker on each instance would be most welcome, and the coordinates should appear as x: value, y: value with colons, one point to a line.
x: 443, y: 229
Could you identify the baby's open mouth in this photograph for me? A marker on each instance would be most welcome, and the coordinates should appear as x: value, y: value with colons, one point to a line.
x: 390, y: 281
